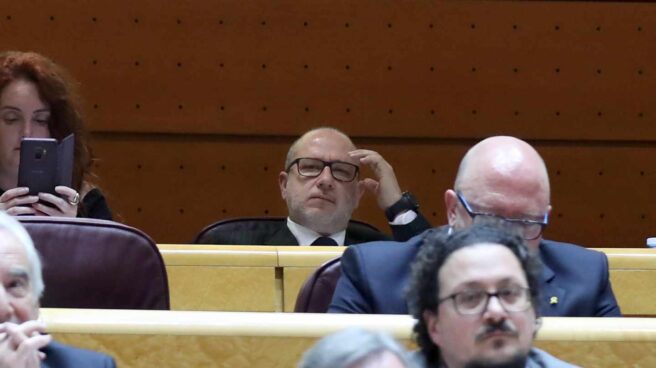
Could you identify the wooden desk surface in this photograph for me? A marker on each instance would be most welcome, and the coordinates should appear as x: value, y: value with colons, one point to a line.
x: 630, y: 258
x: 294, y: 256
x: 223, y: 255
x: 307, y: 256
x: 108, y: 321
x: 174, y: 338
x: 276, y: 274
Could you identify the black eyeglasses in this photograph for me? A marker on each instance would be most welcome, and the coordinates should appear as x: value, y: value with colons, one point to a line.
x: 313, y: 167
x: 531, y: 229
x: 470, y: 302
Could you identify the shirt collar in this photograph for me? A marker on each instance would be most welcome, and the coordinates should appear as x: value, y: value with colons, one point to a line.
x: 306, y: 236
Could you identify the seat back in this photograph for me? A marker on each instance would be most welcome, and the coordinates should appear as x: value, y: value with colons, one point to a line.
x: 89, y: 263
x: 261, y: 231
x: 317, y: 291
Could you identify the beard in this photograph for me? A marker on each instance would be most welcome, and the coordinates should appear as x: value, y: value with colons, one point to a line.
x: 325, y: 223
x: 516, y: 361
x: 322, y: 221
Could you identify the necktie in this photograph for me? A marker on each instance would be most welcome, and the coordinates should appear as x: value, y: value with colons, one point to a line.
x: 324, y: 240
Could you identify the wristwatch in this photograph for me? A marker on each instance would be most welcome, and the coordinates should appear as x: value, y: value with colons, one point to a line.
x: 406, y: 203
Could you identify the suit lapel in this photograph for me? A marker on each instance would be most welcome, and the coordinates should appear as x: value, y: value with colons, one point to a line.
x: 282, y: 236
x: 348, y: 240
x: 552, y: 297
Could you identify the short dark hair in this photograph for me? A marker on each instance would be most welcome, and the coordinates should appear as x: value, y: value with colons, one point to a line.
x: 437, y: 246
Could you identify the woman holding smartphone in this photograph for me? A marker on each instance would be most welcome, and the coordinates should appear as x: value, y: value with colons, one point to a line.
x: 37, y: 101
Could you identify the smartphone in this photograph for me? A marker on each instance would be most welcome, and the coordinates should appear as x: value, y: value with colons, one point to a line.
x: 44, y: 164
x: 38, y: 165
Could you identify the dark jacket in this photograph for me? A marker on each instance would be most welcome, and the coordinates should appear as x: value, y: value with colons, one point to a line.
x: 375, y: 275
x: 274, y: 231
x: 64, y: 356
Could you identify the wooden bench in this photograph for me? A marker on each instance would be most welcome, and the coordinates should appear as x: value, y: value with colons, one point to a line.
x: 213, y: 339
x: 268, y: 278
x: 239, y: 278
x: 297, y: 263
x: 222, y: 278
x: 633, y: 276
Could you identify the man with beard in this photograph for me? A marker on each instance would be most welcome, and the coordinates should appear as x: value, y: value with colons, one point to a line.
x: 472, y: 312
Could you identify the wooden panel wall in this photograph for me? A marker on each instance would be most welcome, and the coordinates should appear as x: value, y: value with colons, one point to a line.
x: 193, y: 104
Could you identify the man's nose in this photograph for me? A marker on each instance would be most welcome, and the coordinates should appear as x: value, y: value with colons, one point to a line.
x: 6, y: 310
x: 326, y: 178
x: 495, y: 310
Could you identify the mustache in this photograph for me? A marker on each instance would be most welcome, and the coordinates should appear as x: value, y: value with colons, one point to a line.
x: 501, y: 326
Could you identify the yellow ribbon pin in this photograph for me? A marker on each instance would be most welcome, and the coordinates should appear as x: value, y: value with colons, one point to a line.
x: 553, y: 300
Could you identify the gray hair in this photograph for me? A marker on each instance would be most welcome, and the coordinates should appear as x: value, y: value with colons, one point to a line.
x: 13, y: 227
x: 346, y: 348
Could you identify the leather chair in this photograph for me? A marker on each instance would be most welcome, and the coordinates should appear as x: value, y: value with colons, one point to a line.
x: 317, y: 291
x: 89, y: 263
x: 261, y: 230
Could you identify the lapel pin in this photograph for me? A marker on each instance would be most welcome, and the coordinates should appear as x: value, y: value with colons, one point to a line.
x: 553, y: 300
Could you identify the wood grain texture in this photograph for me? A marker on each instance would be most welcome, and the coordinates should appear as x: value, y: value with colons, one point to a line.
x: 191, y: 339
x: 193, y: 105
x: 222, y: 288
x: 268, y: 279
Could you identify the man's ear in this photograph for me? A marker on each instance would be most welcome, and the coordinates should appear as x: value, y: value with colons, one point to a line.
x: 430, y: 319
x: 282, y: 183
x: 451, y: 204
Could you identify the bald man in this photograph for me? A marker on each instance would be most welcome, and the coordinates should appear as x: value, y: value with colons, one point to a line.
x: 322, y: 185
x: 501, y: 177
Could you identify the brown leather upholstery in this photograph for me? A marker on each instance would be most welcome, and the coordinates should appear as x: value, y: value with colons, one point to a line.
x: 317, y: 291
x: 265, y: 230
x: 90, y: 263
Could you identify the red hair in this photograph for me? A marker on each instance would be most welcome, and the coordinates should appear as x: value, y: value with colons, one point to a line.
x: 57, y: 89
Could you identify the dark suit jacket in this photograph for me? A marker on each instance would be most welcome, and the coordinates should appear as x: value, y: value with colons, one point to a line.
x: 375, y: 275
x: 63, y: 356
x: 275, y: 232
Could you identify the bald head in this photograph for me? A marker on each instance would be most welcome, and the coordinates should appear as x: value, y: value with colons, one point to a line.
x: 503, y: 161
x: 504, y: 176
x: 323, y: 133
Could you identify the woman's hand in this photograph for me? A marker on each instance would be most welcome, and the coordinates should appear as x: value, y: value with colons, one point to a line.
x: 64, y: 205
x: 16, y: 201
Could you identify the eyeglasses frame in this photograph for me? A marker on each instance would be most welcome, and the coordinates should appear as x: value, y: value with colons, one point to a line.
x: 325, y: 163
x: 527, y: 292
x: 524, y: 222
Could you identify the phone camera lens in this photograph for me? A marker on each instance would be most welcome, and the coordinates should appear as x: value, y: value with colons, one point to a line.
x: 39, y: 153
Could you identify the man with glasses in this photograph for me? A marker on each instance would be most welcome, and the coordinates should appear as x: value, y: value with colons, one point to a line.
x: 502, y: 178
x: 472, y: 312
x: 322, y: 184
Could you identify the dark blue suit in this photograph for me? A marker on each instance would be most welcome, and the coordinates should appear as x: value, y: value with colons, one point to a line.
x: 574, y: 280
x: 63, y: 356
